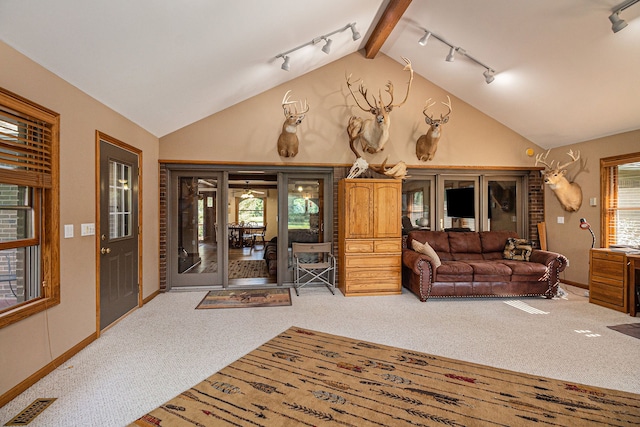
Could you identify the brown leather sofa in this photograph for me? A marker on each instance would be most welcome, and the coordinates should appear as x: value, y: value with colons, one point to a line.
x: 472, y: 265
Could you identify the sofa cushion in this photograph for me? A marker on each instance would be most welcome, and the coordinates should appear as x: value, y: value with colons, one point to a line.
x: 454, y: 271
x: 517, y: 249
x: 490, y: 271
x: 525, y: 271
x: 494, y: 241
x: 438, y: 240
x: 426, y: 249
x: 465, y: 242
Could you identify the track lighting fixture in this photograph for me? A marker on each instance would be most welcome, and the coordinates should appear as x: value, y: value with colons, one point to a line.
x: 285, y: 64
x: 618, y: 23
x: 424, y: 39
x: 489, y: 73
x: 451, y: 56
x: 354, y: 33
x: 488, y: 76
x: 326, y: 48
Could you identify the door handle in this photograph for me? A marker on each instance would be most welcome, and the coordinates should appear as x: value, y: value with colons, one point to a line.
x: 105, y: 251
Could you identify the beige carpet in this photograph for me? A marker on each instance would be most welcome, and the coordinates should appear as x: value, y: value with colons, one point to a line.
x: 305, y: 377
x: 166, y: 347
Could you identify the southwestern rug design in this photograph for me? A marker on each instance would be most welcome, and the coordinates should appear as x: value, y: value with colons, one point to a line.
x: 631, y: 329
x: 244, y: 269
x: 269, y: 297
x: 309, y: 378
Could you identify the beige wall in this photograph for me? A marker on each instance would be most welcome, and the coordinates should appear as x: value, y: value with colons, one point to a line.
x: 568, y: 238
x: 248, y: 131
x: 25, y: 345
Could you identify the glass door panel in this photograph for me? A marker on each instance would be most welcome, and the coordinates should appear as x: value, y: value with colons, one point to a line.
x: 417, y: 202
x: 503, y: 211
x: 196, y: 252
x: 307, y: 212
x: 460, y: 204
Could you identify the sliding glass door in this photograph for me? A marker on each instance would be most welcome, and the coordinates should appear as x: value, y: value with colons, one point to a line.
x: 305, y: 213
x: 195, y: 234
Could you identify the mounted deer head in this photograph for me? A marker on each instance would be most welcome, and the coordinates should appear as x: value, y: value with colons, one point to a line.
x: 569, y: 194
x: 427, y: 144
x: 288, y: 140
x: 373, y: 133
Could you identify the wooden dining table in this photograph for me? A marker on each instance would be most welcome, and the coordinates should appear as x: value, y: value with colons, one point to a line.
x: 238, y: 234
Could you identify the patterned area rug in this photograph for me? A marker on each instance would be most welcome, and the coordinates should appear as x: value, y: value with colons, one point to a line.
x: 303, y: 377
x: 631, y: 329
x: 270, y: 297
x: 239, y: 269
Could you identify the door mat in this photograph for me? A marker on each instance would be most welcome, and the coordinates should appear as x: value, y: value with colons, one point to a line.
x: 308, y: 378
x: 237, y: 298
x: 244, y: 269
x: 30, y: 412
x: 631, y: 329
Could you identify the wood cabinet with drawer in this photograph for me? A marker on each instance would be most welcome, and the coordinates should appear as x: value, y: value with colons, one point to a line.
x: 370, y: 236
x: 608, y: 285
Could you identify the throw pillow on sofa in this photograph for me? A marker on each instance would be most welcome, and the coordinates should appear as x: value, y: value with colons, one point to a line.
x: 426, y: 249
x: 517, y: 249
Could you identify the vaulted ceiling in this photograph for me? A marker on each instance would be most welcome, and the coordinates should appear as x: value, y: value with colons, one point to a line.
x: 562, y: 75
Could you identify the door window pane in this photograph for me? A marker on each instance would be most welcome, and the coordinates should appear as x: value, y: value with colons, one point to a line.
x: 119, y: 200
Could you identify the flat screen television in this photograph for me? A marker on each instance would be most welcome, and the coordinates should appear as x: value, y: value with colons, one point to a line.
x: 461, y: 202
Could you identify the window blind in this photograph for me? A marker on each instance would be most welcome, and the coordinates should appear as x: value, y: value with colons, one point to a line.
x: 26, y: 146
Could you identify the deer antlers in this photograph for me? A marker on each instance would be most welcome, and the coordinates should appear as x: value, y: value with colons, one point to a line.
x: 542, y: 158
x: 286, y: 104
x: 443, y: 119
x: 373, y: 108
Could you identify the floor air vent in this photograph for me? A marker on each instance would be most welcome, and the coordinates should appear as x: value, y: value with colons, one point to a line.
x: 30, y: 412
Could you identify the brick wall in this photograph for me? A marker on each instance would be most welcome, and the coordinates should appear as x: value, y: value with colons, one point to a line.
x: 164, y: 188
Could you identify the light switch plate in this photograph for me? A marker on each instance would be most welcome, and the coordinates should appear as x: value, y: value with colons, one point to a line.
x: 560, y: 220
x: 68, y: 231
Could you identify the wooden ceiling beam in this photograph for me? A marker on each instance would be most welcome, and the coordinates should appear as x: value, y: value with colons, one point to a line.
x: 392, y: 14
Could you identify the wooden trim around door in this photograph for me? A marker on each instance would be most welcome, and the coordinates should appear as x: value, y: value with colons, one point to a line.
x: 104, y: 137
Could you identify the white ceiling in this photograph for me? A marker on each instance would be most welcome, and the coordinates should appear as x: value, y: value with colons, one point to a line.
x: 563, y: 75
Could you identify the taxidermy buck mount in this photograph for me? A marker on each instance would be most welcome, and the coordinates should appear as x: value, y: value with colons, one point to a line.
x: 288, y: 139
x: 569, y: 194
x: 427, y: 144
x: 373, y: 133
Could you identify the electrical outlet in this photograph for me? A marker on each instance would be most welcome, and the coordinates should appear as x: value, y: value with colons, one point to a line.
x: 68, y: 231
x: 87, y: 229
x: 560, y: 220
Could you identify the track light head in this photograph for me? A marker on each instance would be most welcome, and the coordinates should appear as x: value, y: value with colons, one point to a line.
x: 489, y: 76
x: 451, y: 55
x: 617, y: 23
x: 424, y: 39
x: 285, y: 64
x: 355, y: 34
x: 327, y: 46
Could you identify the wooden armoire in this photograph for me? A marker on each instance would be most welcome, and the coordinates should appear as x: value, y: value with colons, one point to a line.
x: 370, y: 236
